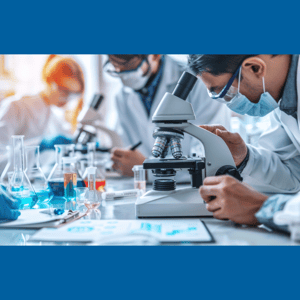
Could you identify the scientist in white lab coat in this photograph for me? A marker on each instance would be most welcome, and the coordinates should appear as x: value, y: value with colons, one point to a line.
x: 145, y: 80
x: 37, y: 116
x: 256, y: 85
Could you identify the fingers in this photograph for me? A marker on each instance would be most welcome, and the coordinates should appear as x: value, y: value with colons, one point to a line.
x: 207, y: 191
x: 228, y: 136
x: 213, y: 128
x: 13, y: 214
x: 118, y: 152
x: 213, y: 180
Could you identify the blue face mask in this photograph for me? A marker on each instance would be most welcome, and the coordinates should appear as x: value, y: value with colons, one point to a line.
x: 243, y: 106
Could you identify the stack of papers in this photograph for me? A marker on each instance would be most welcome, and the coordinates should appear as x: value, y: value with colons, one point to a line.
x: 86, y: 231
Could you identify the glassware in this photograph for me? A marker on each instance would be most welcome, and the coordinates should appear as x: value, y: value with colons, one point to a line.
x: 72, y: 180
x: 8, y: 168
x: 56, y: 176
x: 19, y: 184
x: 36, y: 176
x: 100, y: 168
x: 80, y: 197
x: 139, y: 178
x: 92, y: 199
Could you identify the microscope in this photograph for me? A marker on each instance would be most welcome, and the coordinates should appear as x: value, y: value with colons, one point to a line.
x: 171, y: 118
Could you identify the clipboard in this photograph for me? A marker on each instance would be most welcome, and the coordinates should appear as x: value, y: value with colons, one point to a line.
x: 34, y: 219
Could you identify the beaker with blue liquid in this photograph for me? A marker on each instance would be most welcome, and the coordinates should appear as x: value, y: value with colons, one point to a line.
x: 19, y: 184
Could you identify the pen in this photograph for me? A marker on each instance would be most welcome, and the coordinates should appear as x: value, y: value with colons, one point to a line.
x: 132, y: 148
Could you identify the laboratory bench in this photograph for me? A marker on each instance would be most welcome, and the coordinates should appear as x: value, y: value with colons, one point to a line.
x: 224, y: 232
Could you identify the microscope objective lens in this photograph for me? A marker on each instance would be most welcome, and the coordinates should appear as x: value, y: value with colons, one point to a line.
x: 176, y: 147
x: 159, y: 146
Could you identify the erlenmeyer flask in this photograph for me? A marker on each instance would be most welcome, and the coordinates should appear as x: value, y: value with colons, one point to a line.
x: 36, y: 176
x: 19, y: 184
x: 100, y: 168
x: 56, y: 176
x: 8, y: 168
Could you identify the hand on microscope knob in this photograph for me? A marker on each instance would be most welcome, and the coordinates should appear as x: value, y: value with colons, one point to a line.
x: 232, y: 199
x: 234, y: 141
x: 125, y: 159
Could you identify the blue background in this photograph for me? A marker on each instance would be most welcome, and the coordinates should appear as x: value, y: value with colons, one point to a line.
x: 163, y: 27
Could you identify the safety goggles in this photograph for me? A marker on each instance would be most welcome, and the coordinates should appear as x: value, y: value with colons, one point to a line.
x: 228, y: 92
x: 111, y: 70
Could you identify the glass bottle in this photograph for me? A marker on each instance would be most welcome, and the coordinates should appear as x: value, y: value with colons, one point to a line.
x: 72, y: 180
x: 56, y: 176
x: 100, y: 168
x: 36, y: 176
x: 92, y: 197
x: 19, y: 184
x: 8, y: 170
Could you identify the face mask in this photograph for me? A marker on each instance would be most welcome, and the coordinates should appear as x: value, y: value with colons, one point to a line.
x: 243, y: 106
x: 135, y: 79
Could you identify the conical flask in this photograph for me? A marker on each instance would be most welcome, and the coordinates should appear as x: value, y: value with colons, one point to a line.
x: 8, y: 170
x: 19, y: 183
x: 56, y: 178
x: 100, y: 168
x: 36, y: 176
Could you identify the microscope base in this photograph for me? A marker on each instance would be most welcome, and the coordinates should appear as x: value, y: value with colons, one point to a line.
x: 185, y: 202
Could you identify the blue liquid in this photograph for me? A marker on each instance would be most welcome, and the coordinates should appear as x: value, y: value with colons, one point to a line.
x: 57, y: 187
x: 80, y: 183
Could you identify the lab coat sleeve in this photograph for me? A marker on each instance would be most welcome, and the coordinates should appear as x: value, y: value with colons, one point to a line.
x: 273, y: 167
x: 270, y: 207
x: 122, y: 120
x: 11, y: 120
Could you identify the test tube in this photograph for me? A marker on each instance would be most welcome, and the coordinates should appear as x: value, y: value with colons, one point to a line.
x: 139, y: 178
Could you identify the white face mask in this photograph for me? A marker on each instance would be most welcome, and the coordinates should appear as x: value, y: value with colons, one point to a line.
x: 135, y: 79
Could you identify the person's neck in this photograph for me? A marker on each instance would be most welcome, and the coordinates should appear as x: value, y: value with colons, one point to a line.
x: 280, y: 76
x: 45, y: 97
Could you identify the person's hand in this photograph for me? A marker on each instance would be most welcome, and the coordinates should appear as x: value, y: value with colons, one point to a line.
x: 124, y: 160
x: 231, y: 199
x: 235, y: 143
x: 48, y: 143
x: 9, y: 208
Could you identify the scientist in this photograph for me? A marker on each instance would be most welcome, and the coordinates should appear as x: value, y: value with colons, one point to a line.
x: 8, y: 207
x: 256, y: 85
x: 37, y: 116
x: 145, y: 80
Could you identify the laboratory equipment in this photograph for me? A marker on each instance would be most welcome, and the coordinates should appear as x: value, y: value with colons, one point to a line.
x: 36, y: 176
x: 100, y: 167
x: 56, y: 176
x: 80, y: 197
x: 8, y: 168
x: 90, y: 122
x: 122, y: 194
x: 72, y: 180
x: 19, y: 184
x: 139, y: 176
x: 92, y: 199
x: 171, y: 118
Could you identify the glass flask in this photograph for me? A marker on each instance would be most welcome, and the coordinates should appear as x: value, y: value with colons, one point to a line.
x: 92, y: 198
x: 72, y: 180
x: 19, y: 184
x: 8, y: 168
x: 36, y: 176
x: 100, y: 168
x: 56, y: 176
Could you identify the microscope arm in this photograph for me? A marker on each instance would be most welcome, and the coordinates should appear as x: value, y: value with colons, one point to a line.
x: 216, y: 151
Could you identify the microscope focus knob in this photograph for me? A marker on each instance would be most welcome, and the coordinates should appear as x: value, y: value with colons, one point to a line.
x: 229, y: 170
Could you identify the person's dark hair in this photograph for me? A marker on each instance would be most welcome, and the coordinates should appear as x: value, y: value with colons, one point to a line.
x: 128, y: 57
x: 215, y: 64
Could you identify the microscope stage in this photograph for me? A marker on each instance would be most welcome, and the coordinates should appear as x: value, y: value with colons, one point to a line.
x: 185, y: 202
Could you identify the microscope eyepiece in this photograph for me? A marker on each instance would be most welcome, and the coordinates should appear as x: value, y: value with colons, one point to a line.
x: 184, y: 85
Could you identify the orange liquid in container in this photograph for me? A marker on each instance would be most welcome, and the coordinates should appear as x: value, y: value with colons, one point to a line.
x: 100, y: 184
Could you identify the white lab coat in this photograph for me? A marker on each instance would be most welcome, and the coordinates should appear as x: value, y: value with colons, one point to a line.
x: 134, y: 125
x: 30, y: 116
x: 274, y: 167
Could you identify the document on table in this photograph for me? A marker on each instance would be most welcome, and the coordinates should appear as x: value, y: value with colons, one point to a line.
x: 170, y: 230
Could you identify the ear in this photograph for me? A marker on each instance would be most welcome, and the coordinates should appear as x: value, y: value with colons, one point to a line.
x: 254, y: 66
